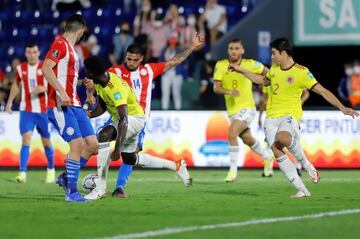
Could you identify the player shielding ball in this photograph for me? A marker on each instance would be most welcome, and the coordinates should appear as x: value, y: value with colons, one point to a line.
x: 287, y: 79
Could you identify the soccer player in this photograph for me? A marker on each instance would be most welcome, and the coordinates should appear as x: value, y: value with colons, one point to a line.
x: 140, y: 78
x: 240, y: 105
x: 287, y: 79
x: 61, y: 69
x: 33, y: 110
x: 128, y: 118
x: 264, y: 97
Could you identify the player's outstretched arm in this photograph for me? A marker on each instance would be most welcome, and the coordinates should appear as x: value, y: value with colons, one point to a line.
x: 256, y: 78
x: 13, y: 92
x: 122, y: 111
x: 331, y: 98
x: 197, y: 41
x: 47, y: 70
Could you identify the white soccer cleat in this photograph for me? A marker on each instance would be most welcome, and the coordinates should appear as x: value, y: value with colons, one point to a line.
x: 314, y: 176
x: 301, y: 194
x: 96, y: 193
x: 183, y: 173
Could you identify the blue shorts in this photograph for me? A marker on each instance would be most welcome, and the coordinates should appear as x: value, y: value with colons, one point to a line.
x: 28, y: 121
x: 71, y: 122
x: 141, y: 138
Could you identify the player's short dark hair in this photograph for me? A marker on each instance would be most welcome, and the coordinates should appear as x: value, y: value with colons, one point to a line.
x: 30, y: 45
x: 74, y: 23
x: 282, y: 44
x: 235, y: 40
x: 94, y: 65
x: 135, y: 49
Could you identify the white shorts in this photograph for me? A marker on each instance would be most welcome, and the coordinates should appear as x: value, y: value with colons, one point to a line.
x: 286, y: 123
x: 246, y: 115
x: 135, y: 125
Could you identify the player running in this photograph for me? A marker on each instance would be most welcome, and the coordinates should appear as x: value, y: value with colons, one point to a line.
x: 240, y: 105
x: 61, y: 69
x: 287, y: 79
x: 33, y: 110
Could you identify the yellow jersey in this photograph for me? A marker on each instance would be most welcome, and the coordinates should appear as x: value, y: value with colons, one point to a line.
x: 236, y: 81
x: 118, y: 92
x: 286, y: 88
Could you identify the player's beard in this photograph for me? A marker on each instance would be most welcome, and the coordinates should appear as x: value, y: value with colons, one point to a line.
x: 130, y: 69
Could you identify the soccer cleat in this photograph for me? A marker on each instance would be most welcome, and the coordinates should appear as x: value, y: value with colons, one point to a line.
x: 62, y: 181
x: 98, y: 192
x: 75, y: 197
x: 183, y: 173
x: 21, y: 177
x: 50, y: 176
x: 268, y: 168
x: 301, y: 194
x: 231, y: 177
x: 95, y: 194
x: 119, y: 193
x: 314, y: 176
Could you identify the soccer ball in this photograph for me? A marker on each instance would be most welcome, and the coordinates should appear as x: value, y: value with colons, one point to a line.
x: 89, y: 182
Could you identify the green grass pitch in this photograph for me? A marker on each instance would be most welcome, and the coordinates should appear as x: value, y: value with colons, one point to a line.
x: 158, y: 200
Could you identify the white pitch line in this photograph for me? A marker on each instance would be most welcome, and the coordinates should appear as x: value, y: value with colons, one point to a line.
x: 174, y: 230
x: 216, y: 180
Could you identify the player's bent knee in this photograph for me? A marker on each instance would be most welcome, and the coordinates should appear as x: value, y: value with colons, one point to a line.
x: 284, y: 137
x: 129, y: 158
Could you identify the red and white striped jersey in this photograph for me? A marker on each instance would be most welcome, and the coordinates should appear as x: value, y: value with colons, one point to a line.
x: 66, y: 70
x: 31, y: 77
x: 140, y: 80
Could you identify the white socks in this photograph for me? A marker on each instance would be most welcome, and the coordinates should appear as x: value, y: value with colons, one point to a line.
x: 103, y: 161
x: 262, y: 151
x: 288, y: 168
x: 148, y: 161
x: 234, y: 154
x: 296, y: 150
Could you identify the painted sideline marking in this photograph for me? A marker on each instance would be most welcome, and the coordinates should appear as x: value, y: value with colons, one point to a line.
x: 173, y: 230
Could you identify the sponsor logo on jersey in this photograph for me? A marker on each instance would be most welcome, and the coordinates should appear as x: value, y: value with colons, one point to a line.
x: 55, y: 54
x: 117, y: 96
x: 310, y: 75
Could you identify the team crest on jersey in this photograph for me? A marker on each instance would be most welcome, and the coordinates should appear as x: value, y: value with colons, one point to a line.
x: 143, y: 72
x: 70, y: 131
x: 55, y: 54
x: 290, y: 80
x: 39, y: 72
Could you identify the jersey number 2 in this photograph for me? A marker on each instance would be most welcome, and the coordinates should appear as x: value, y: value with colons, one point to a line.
x: 276, y: 87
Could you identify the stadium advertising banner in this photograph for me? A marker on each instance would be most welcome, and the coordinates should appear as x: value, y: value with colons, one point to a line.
x: 326, y: 22
x: 330, y: 139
